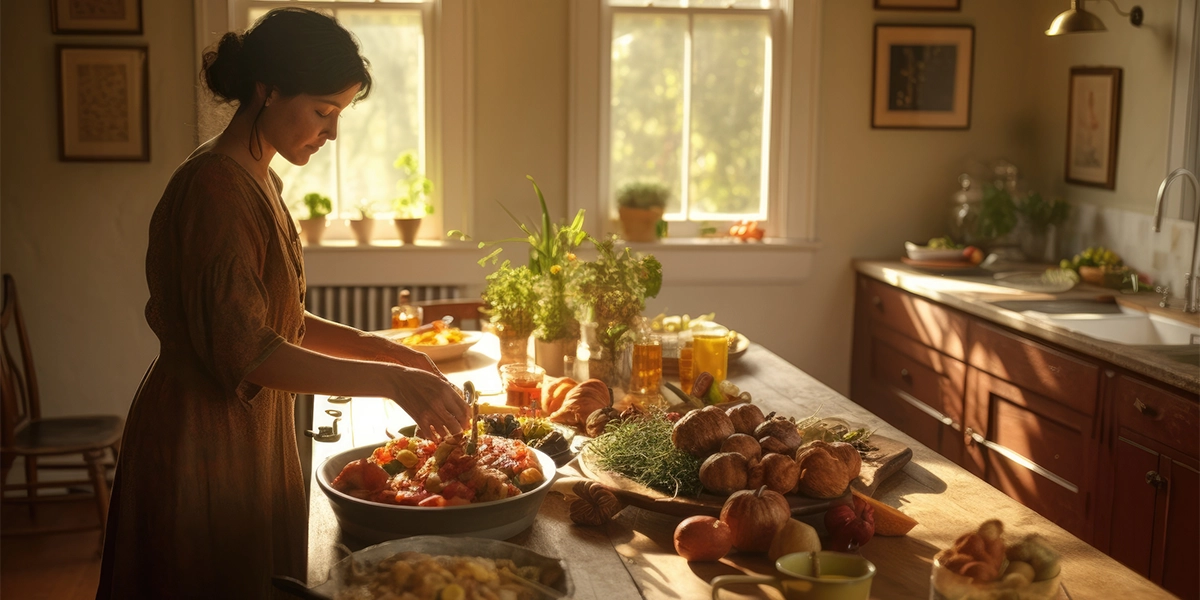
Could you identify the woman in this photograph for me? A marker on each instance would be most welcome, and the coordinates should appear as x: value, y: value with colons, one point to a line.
x: 208, y: 500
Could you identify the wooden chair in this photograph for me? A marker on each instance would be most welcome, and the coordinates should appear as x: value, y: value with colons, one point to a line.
x: 465, y: 312
x: 25, y: 433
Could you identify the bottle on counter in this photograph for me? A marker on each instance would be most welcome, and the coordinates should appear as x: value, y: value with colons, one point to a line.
x: 646, y: 372
x: 687, y: 375
x: 406, y: 315
x: 965, y: 206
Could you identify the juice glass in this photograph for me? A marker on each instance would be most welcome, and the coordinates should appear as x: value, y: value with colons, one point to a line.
x: 687, y: 375
x: 523, y: 384
x: 646, y: 376
x: 710, y: 351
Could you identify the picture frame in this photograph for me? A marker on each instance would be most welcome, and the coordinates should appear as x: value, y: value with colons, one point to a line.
x: 922, y: 76
x: 947, y: 5
x: 103, y: 103
x: 96, y: 16
x: 1093, y: 126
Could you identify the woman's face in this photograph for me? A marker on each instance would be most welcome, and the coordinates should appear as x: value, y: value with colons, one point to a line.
x: 297, y: 126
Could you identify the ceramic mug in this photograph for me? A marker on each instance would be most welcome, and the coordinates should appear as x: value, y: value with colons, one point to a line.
x: 842, y: 577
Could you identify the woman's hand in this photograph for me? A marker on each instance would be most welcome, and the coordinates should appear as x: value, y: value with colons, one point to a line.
x: 397, y: 353
x: 431, y: 401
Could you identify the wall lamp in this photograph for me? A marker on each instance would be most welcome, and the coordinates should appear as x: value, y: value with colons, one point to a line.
x: 1077, y: 20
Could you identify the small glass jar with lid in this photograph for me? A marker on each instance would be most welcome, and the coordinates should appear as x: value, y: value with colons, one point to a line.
x: 965, y: 207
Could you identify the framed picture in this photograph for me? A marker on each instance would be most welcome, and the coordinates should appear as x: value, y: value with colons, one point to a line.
x: 922, y: 76
x: 918, y: 4
x: 103, y: 103
x: 96, y: 16
x: 1093, y: 119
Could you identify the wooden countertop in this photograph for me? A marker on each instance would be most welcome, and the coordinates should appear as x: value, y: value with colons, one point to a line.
x: 974, y: 293
x: 633, y: 557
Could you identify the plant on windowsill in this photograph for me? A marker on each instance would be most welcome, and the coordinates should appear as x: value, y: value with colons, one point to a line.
x: 313, y: 226
x: 363, y: 225
x: 413, y: 202
x: 641, y: 205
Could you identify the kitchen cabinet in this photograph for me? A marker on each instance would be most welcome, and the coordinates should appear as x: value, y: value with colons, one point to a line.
x: 1151, y: 519
x: 1108, y: 455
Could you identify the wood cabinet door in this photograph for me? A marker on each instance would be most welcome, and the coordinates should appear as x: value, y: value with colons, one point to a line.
x: 1131, y: 525
x: 1034, y: 449
x: 1175, y: 565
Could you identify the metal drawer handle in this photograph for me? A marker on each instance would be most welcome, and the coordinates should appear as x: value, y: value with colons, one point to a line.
x: 877, y: 301
x: 1143, y: 408
x: 1020, y: 459
x: 904, y: 373
x: 1156, y: 480
x: 326, y: 433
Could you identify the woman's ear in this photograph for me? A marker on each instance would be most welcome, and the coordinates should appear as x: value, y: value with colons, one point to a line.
x: 267, y: 93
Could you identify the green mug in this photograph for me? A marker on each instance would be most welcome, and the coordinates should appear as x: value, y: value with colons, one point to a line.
x: 841, y: 577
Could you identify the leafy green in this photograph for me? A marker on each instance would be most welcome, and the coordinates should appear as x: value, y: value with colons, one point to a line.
x: 643, y: 195
x: 415, y: 188
x: 318, y: 205
x: 1040, y: 213
x: 997, y: 213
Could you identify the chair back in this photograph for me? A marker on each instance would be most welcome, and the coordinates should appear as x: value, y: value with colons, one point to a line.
x: 20, y: 391
x: 465, y: 312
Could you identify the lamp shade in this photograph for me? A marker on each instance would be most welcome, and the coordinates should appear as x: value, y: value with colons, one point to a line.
x: 1075, y: 20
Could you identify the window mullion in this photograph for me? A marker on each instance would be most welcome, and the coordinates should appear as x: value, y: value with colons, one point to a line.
x: 686, y: 155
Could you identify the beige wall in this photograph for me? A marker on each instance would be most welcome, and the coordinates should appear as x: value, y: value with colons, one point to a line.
x: 74, y: 234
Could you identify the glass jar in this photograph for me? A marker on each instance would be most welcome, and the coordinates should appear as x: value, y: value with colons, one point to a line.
x: 965, y: 207
x: 687, y: 374
x: 710, y: 350
x: 523, y: 384
x: 646, y: 362
x: 514, y: 348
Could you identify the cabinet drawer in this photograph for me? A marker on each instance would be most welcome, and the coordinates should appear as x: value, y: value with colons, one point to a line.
x: 1160, y: 415
x: 1037, y: 367
x: 937, y: 381
x: 926, y: 322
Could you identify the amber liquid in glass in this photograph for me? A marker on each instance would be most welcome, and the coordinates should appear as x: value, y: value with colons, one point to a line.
x: 711, y: 355
x: 647, y: 368
x: 524, y: 393
x: 686, y: 375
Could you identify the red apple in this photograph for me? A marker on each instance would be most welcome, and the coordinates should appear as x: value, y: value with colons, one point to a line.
x: 972, y: 255
x: 703, y: 538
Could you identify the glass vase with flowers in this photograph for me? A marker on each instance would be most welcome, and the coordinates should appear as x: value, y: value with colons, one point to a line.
x: 611, y: 292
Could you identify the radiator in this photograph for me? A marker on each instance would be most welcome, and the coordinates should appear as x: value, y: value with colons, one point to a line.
x: 369, y: 307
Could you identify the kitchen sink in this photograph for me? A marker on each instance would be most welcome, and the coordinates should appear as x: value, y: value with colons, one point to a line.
x: 1104, y: 319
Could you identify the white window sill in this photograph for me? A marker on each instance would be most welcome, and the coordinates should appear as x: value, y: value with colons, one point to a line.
x: 686, y: 261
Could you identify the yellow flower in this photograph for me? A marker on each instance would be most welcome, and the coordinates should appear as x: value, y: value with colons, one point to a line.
x: 571, y: 256
x: 555, y: 269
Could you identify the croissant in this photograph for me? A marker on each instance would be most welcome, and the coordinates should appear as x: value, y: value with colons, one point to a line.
x: 581, y: 402
x: 554, y: 392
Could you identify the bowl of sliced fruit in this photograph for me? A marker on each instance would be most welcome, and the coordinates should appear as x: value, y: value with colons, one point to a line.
x: 414, y: 486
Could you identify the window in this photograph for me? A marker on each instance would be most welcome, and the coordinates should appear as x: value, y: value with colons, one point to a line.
x: 701, y: 96
x: 357, y: 167
x: 419, y: 55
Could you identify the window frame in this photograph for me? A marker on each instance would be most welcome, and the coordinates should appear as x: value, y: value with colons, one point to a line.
x: 449, y: 120
x: 795, y: 53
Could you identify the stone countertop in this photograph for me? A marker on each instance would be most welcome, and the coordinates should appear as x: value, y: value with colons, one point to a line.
x: 974, y: 292
x: 633, y: 556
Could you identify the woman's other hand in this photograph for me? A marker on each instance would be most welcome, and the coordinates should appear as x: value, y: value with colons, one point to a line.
x: 431, y: 401
x: 397, y: 353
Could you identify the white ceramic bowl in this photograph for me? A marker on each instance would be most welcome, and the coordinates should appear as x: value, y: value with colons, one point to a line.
x: 916, y: 252
x: 375, y: 522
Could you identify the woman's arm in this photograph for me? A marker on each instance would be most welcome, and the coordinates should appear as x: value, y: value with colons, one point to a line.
x: 426, y: 397
x: 334, y: 339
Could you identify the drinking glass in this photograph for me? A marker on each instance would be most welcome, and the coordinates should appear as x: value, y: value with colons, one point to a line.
x: 710, y: 351
x: 523, y: 384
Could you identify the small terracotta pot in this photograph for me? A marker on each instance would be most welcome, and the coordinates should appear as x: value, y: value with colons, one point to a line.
x: 313, y: 229
x: 408, y: 230
x: 363, y: 229
x: 640, y: 224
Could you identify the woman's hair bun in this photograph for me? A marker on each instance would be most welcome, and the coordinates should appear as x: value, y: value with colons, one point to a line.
x: 223, y: 70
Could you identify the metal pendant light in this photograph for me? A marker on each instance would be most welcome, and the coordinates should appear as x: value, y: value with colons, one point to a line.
x: 1078, y: 20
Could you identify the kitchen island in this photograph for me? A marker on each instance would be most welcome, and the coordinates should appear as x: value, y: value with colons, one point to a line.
x: 633, y: 555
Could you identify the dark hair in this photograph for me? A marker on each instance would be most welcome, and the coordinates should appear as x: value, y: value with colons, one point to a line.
x: 295, y: 50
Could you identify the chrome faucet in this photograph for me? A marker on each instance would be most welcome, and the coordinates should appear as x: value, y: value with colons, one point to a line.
x: 1189, y: 291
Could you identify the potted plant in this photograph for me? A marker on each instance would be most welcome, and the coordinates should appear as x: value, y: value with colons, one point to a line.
x: 364, y: 225
x: 1040, y: 220
x: 551, y: 248
x: 610, y: 294
x: 313, y: 226
x: 641, y: 206
x: 510, y: 300
x: 413, y: 202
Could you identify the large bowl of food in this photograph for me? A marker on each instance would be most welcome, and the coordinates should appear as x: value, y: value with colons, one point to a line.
x: 441, y: 567
x: 412, y: 486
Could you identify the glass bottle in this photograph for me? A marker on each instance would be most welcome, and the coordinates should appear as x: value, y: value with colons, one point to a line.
x: 406, y: 316
x: 646, y: 369
x: 965, y: 207
x: 687, y: 375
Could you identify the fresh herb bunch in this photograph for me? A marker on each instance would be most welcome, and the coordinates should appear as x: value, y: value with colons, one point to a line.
x: 510, y: 298
x: 415, y: 188
x: 643, y: 195
x: 997, y: 213
x: 551, y: 248
x: 318, y: 205
x: 640, y: 448
x: 1041, y: 214
x: 612, y: 290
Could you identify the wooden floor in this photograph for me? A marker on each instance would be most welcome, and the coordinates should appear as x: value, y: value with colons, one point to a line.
x: 59, y: 567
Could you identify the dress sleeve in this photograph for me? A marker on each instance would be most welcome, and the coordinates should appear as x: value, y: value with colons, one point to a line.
x: 223, y: 242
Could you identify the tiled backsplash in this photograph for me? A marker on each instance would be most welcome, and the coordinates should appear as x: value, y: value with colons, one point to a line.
x: 1163, y: 256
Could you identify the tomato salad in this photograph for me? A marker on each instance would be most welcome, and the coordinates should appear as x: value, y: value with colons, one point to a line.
x: 412, y: 471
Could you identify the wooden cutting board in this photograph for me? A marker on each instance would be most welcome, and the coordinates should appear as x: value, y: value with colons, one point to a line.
x: 878, y: 465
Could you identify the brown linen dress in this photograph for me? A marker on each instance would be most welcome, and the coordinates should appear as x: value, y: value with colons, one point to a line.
x: 208, y: 500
